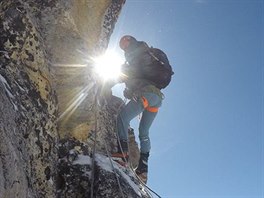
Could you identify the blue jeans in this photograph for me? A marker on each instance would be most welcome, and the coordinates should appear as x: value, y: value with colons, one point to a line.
x: 130, y: 111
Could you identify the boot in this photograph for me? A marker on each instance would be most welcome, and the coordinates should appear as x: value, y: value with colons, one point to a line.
x: 142, y: 169
x: 122, y: 153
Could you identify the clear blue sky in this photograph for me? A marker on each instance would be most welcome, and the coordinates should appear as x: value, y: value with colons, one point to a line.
x: 207, y: 141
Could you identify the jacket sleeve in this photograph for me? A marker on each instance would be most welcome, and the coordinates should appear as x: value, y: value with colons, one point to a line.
x: 130, y: 71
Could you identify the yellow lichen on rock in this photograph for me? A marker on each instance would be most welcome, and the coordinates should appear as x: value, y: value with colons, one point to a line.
x: 88, y: 15
x: 82, y: 131
x: 81, y: 26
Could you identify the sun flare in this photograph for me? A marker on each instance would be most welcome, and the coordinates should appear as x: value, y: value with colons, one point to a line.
x: 108, y: 66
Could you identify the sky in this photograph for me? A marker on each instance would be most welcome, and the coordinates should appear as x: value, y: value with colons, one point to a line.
x: 207, y: 140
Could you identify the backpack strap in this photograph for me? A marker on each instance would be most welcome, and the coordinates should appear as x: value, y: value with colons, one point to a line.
x: 155, y: 57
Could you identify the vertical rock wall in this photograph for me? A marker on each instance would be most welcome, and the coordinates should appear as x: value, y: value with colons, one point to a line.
x: 28, y: 132
x: 45, y: 51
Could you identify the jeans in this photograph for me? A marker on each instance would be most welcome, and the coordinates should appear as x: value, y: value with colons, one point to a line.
x: 130, y: 111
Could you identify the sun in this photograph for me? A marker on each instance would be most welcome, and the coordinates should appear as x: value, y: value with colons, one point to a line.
x: 108, y: 66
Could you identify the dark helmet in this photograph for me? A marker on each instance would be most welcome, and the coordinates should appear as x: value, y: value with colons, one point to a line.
x: 125, y: 41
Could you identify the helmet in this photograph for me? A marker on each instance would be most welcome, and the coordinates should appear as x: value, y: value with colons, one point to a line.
x: 125, y: 41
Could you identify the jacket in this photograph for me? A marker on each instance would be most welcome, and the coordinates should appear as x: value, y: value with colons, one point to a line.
x: 133, y: 70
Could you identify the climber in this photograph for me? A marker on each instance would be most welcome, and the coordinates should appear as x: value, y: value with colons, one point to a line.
x: 143, y: 89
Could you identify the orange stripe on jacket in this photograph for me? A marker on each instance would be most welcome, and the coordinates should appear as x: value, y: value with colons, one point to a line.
x: 147, y: 107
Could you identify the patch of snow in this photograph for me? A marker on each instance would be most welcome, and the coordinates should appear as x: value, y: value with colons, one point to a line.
x: 83, y: 159
x: 88, y: 174
x: 7, y: 89
x: 51, y: 181
x: 22, y: 89
x: 128, y: 179
x: 3, y: 80
x: 15, y: 106
x: 104, y: 162
x: 6, y: 85
x: 5, y: 54
x: 72, y: 151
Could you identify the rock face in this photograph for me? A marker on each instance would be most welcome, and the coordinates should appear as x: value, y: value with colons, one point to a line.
x: 28, y: 107
x: 55, y: 114
x: 110, y: 178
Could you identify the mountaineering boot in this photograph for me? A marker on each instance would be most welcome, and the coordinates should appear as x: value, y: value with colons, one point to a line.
x: 121, y: 156
x: 142, y: 169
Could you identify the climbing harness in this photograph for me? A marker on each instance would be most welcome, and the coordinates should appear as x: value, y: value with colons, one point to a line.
x: 147, y: 107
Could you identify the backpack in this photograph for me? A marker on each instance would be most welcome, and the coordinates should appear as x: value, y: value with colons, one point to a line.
x: 157, y: 68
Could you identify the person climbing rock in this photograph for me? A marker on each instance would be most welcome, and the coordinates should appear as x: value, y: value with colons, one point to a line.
x: 145, y: 72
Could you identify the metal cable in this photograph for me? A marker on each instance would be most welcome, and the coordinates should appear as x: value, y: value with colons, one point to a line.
x: 116, y: 175
x: 145, y: 185
x: 94, y: 145
x: 94, y: 150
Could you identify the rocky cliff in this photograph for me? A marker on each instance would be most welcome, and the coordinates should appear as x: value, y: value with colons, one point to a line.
x: 57, y: 121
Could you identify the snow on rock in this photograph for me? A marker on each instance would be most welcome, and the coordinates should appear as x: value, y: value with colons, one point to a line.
x: 27, y: 106
x: 129, y: 177
x: 104, y: 162
x: 82, y: 160
x: 75, y: 174
x: 8, y: 91
x: 6, y: 85
x: 74, y: 169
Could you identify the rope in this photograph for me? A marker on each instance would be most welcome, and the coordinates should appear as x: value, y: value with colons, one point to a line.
x: 94, y: 150
x: 116, y: 175
x: 94, y: 145
x: 145, y: 185
x: 118, y: 139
